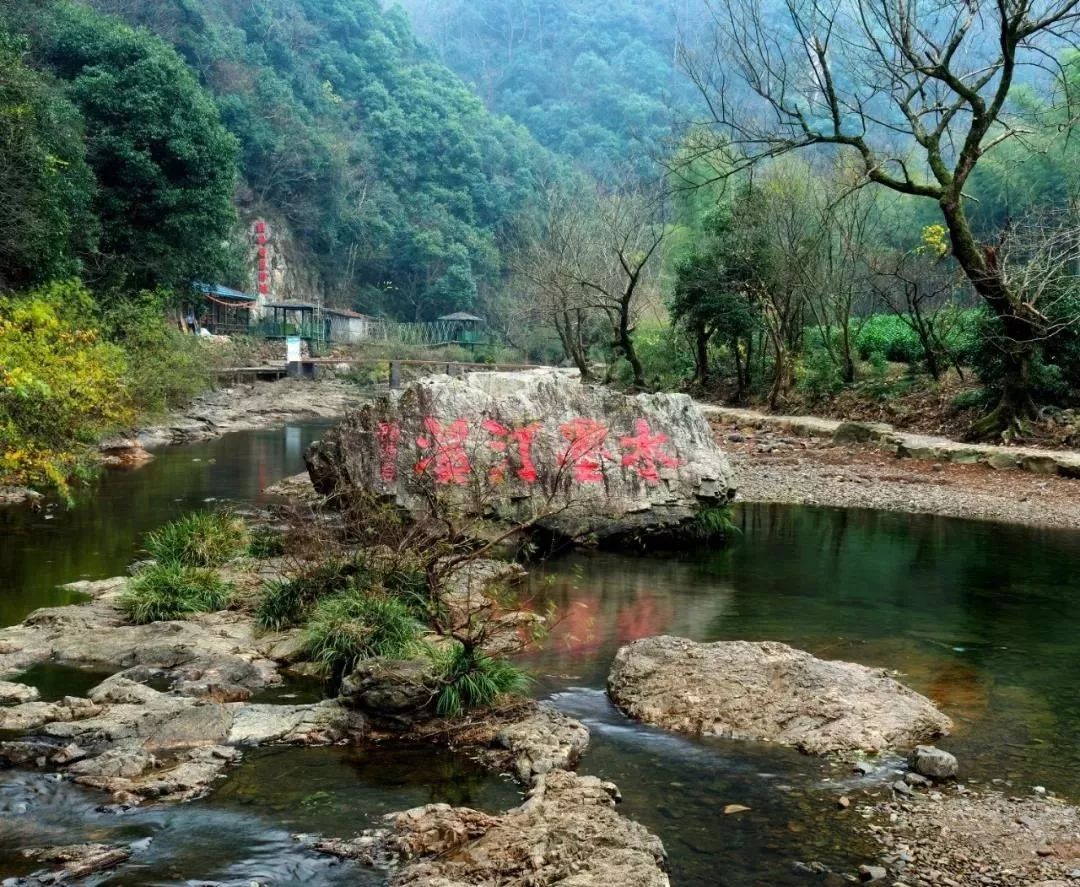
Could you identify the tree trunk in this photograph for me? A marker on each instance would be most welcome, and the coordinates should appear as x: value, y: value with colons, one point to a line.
x: 701, y: 356
x: 1019, y: 328
x: 740, y: 386
x: 626, y: 342
x: 569, y: 336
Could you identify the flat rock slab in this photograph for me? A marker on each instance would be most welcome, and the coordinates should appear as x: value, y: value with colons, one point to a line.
x: 769, y: 691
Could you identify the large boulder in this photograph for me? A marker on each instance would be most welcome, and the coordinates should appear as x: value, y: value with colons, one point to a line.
x: 769, y: 691
x: 538, y: 445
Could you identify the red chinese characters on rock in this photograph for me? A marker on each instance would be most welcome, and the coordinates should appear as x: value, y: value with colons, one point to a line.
x: 443, y: 455
x: 444, y: 447
x: 642, y: 453
x: 388, y: 435
x: 503, y: 438
x: 585, y: 453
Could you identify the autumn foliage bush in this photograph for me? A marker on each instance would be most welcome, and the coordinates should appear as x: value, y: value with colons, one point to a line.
x: 61, y: 385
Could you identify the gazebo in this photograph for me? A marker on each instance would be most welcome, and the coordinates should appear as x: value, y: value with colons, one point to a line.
x: 462, y: 328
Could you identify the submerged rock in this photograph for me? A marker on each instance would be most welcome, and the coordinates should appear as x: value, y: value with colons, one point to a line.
x: 769, y: 691
x: 583, y: 460
x: 74, y: 861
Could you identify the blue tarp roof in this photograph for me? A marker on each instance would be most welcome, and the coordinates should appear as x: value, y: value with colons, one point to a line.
x: 222, y: 292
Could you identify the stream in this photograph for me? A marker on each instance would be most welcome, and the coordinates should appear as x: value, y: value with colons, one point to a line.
x: 981, y: 617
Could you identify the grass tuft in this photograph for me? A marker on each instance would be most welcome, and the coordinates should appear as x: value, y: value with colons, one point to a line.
x: 173, y: 591
x: 714, y: 523
x: 266, y: 543
x: 360, y: 624
x: 473, y: 680
x: 287, y: 603
x: 200, y: 539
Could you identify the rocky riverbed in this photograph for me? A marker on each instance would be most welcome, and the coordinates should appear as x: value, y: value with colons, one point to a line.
x: 956, y: 837
x: 245, y: 407
x: 177, y: 714
x: 769, y: 692
x: 779, y: 466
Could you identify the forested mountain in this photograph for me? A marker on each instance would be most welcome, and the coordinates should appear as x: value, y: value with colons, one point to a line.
x: 327, y: 114
x: 599, y: 82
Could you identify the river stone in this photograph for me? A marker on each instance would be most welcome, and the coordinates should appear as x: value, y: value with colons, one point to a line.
x: 769, y: 691
x: 75, y: 861
x: 548, y: 740
x: 13, y: 692
x: 860, y: 432
x: 391, y: 687
x: 581, y: 460
x: 926, y: 760
x: 567, y: 833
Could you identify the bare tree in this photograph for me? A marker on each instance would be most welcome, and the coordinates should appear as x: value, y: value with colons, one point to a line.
x: 590, y: 261
x: 618, y: 264
x: 838, y: 281
x: 915, y: 90
x: 545, y: 268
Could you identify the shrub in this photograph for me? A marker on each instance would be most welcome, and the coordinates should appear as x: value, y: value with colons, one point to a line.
x: 1055, y: 371
x: 165, y: 368
x: 665, y: 356
x: 200, y: 539
x: 818, y: 375
x: 472, y: 679
x: 887, y: 334
x: 286, y: 603
x: 61, y: 385
x: 360, y: 624
x: 173, y: 591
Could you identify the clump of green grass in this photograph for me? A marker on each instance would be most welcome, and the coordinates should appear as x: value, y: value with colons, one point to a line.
x: 714, y: 523
x: 472, y: 679
x: 199, y: 539
x: 287, y: 603
x: 360, y: 624
x: 266, y: 543
x: 173, y: 591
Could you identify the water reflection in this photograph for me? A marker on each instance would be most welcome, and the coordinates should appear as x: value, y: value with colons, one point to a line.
x: 102, y: 534
x: 980, y: 617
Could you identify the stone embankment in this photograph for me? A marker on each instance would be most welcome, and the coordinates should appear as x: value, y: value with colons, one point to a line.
x: 769, y: 691
x: 773, y: 465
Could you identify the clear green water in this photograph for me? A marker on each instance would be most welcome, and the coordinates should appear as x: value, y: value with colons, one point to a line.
x: 983, y: 618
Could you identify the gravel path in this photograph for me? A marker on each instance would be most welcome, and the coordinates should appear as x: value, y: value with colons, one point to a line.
x: 772, y: 466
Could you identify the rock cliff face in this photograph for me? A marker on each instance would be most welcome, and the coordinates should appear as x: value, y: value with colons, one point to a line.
x: 769, y: 691
x: 539, y: 445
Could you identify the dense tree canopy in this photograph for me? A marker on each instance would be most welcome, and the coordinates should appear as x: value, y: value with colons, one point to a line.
x: 394, y: 180
x: 46, y: 187
x: 598, y: 82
